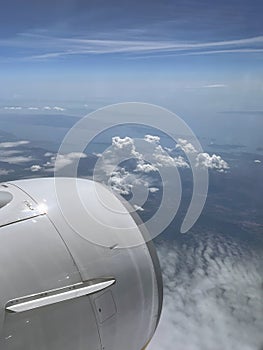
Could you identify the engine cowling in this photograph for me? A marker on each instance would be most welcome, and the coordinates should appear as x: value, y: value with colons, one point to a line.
x: 74, y: 287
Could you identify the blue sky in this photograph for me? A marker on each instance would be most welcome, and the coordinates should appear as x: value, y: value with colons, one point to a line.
x: 199, y: 58
x: 37, y: 31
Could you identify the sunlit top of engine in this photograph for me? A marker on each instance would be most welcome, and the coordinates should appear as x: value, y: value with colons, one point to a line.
x: 88, y: 208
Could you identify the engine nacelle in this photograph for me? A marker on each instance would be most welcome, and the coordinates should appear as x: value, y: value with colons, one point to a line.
x: 68, y: 280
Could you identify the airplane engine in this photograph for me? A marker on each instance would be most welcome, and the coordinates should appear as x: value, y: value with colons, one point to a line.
x: 76, y: 269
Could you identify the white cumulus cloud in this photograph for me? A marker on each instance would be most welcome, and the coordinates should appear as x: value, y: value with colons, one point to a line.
x: 48, y: 154
x: 185, y: 146
x: 163, y: 159
x: 152, y: 139
x: 150, y: 158
x: 55, y: 108
x: 59, y: 109
x: 121, y: 181
x: 124, y: 147
x: 138, y: 208
x: 153, y: 189
x: 35, y: 168
x: 145, y: 167
x: 211, y: 162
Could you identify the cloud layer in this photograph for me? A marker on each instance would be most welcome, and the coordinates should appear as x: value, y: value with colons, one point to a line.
x: 13, y: 144
x: 62, y: 160
x: 35, y: 108
x: 4, y: 172
x: 213, y: 296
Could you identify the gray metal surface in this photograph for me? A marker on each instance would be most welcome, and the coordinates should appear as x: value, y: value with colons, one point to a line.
x: 43, y: 252
x: 20, y: 207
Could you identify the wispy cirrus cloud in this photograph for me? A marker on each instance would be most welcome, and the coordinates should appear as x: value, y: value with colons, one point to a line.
x: 46, y: 47
x: 222, y: 51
